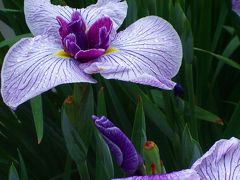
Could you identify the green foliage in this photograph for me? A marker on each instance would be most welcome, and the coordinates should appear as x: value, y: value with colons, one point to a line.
x: 139, y: 128
x: 36, y: 104
x: 181, y: 127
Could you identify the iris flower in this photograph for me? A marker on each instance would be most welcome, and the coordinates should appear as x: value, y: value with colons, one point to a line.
x: 236, y: 6
x: 222, y: 161
x: 71, y: 44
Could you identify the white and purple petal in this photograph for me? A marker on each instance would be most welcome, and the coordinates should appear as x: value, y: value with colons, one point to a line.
x: 188, y: 174
x: 32, y: 67
x: 41, y: 15
x: 221, y: 162
x: 148, y: 52
x: 116, y: 10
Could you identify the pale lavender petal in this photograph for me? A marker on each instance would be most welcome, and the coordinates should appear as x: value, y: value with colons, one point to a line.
x: 188, y: 174
x: 41, y: 14
x: 236, y: 6
x: 148, y: 52
x: 222, y: 161
x: 116, y: 10
x: 31, y: 67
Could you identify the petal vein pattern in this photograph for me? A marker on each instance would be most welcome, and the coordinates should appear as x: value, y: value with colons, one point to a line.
x: 30, y: 68
x: 115, y: 9
x: 41, y: 14
x: 221, y: 162
x: 149, y: 52
x: 187, y: 174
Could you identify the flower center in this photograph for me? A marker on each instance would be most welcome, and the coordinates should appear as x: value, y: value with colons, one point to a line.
x: 82, y: 44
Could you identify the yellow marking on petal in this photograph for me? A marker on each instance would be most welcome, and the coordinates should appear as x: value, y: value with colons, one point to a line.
x: 62, y: 54
x: 101, y: 69
x: 111, y: 50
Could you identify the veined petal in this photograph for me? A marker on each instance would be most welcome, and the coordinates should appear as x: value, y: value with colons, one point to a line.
x: 188, y: 174
x: 31, y: 67
x: 221, y: 162
x: 116, y: 10
x: 41, y: 14
x: 148, y: 52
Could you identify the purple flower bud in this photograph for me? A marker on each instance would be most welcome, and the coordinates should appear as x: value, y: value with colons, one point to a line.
x: 120, y: 146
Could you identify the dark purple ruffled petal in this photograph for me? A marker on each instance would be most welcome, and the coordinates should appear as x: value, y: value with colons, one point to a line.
x: 98, y: 34
x: 116, y: 141
x: 63, y: 31
x: 70, y: 45
x: 86, y: 55
x: 78, y: 27
x: 81, y: 45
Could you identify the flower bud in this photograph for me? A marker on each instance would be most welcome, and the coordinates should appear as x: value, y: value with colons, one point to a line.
x: 152, y: 159
x: 120, y: 146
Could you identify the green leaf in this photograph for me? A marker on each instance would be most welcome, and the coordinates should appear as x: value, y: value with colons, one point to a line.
x: 228, y: 51
x: 152, y: 7
x: 84, y: 109
x: 83, y: 170
x: 13, y: 174
x: 226, y: 60
x: 207, y: 116
x: 68, y: 168
x: 75, y: 146
x: 139, y: 128
x: 201, y: 113
x: 190, y: 149
x: 118, y: 107
x: 74, y: 143
x: 101, y: 104
x: 10, y: 42
x: 36, y: 104
x: 23, y: 169
x: 233, y: 127
x: 151, y: 110
x: 104, y: 164
x: 132, y: 12
x: 9, y: 10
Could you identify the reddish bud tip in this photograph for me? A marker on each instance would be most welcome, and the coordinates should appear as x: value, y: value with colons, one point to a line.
x: 149, y: 145
x: 69, y: 100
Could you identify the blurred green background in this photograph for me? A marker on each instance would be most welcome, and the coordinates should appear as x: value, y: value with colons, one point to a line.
x: 40, y: 140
